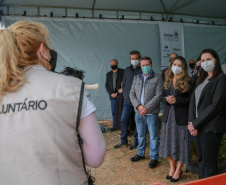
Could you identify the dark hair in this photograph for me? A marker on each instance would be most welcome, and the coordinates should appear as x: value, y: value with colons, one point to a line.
x: 69, y: 71
x: 146, y: 58
x: 198, y: 59
x: 134, y: 52
x: 217, y: 69
x: 115, y: 60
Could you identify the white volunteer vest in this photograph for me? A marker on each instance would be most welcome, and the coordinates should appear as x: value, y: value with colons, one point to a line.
x: 38, y: 139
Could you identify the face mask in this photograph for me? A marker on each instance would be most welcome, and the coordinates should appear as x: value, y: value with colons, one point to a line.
x: 192, y: 65
x: 208, y: 65
x: 114, y: 67
x: 134, y: 62
x: 53, y: 59
x: 176, y: 70
x: 146, y: 69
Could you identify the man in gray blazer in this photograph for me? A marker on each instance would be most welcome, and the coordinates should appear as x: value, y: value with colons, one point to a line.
x: 145, y: 96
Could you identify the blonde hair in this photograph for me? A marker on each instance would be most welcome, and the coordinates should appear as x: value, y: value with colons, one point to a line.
x: 18, y: 49
x: 182, y: 82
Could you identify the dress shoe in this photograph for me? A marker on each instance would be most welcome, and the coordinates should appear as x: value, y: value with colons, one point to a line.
x: 169, y: 177
x: 153, y: 163
x: 136, y: 158
x: 120, y: 144
x: 113, y: 129
x: 175, y: 180
x: 133, y: 146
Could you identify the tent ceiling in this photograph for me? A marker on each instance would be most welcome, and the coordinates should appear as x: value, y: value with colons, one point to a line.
x: 199, y: 8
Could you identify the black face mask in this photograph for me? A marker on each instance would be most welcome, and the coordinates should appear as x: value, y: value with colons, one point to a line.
x: 192, y: 65
x: 53, y: 59
x: 114, y: 67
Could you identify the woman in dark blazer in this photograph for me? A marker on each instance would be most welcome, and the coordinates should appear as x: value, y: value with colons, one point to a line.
x: 174, y: 139
x: 207, y: 112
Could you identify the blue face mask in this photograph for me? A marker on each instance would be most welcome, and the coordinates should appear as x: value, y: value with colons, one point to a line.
x: 146, y: 69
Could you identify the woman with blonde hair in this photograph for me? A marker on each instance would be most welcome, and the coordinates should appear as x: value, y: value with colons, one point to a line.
x: 42, y: 114
x: 174, y: 139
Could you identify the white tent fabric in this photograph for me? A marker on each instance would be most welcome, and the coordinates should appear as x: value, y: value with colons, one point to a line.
x: 166, y: 8
x: 198, y: 37
x: 90, y: 45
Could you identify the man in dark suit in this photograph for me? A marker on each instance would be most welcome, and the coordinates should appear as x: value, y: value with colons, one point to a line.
x: 113, y: 87
x: 128, y: 109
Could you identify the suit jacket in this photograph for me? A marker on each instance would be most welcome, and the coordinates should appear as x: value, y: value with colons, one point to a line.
x: 211, y: 107
x: 127, y: 81
x: 181, y: 105
x: 109, y: 82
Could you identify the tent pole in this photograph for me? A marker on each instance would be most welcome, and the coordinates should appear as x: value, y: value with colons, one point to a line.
x: 173, y: 5
x: 38, y: 11
x: 94, y: 1
x: 163, y: 5
x: 184, y: 5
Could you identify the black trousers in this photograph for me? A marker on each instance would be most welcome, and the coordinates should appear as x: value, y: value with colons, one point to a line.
x: 207, y: 145
x: 118, y: 111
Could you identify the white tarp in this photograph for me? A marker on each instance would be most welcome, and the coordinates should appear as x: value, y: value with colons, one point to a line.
x: 171, y: 40
x: 198, y: 37
x: 90, y: 45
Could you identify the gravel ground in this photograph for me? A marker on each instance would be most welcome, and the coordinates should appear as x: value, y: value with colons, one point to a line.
x: 117, y: 168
